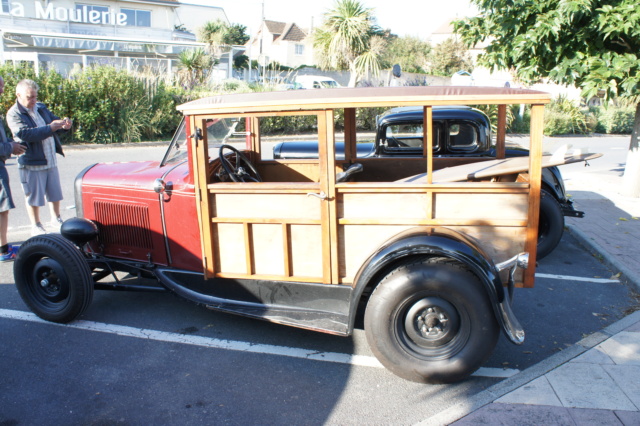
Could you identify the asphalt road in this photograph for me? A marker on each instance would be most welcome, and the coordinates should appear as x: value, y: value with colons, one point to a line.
x: 141, y: 358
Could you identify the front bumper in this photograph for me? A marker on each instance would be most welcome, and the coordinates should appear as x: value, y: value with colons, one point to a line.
x: 512, y: 326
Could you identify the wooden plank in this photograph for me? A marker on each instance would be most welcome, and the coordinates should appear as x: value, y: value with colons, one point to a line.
x: 199, y: 155
x: 502, y: 132
x: 434, y: 222
x: 350, y: 138
x: 286, y: 249
x: 428, y: 119
x: 535, y: 180
x: 326, y: 137
x: 300, y: 100
x: 398, y: 187
x: 264, y: 188
x: 248, y: 247
x: 279, y: 220
x: 449, y: 207
x: 488, y: 169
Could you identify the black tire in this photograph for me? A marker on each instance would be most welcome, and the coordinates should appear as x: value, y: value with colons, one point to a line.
x: 444, y: 296
x: 551, y: 224
x: 53, y: 278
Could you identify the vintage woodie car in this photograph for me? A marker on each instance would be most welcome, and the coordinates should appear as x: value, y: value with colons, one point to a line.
x: 430, y: 264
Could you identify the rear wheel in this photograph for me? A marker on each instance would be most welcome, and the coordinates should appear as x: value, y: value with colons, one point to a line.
x: 551, y: 224
x: 431, y: 321
x: 53, y: 278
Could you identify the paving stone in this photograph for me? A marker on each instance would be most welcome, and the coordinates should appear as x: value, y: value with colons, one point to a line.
x: 628, y: 418
x: 594, y: 356
x: 585, y: 416
x: 537, y: 392
x: 623, y: 348
x: 627, y: 377
x: 580, y: 385
x: 517, y: 414
x: 634, y: 328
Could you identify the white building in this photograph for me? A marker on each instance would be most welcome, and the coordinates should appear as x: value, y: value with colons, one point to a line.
x: 284, y: 43
x: 58, y: 34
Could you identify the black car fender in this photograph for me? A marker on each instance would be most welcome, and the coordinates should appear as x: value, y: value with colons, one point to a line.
x: 430, y: 242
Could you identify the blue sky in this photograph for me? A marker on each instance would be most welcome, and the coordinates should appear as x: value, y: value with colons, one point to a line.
x: 404, y: 17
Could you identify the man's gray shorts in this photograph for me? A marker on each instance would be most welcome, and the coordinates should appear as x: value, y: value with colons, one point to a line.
x: 38, y: 184
x: 6, y: 201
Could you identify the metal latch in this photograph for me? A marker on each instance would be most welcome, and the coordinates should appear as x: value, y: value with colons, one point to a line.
x: 321, y: 195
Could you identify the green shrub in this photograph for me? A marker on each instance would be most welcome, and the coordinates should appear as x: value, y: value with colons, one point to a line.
x: 519, y: 124
x: 107, y: 105
x: 616, y: 120
x: 562, y: 117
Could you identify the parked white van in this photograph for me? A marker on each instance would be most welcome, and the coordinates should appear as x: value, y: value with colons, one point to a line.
x: 316, y: 82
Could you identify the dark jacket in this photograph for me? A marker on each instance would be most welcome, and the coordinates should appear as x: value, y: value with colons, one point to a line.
x: 5, y: 146
x: 26, y: 132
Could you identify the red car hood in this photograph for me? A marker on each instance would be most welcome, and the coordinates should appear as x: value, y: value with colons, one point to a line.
x: 135, y: 174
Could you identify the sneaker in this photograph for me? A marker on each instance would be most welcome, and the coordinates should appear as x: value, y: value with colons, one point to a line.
x: 56, y: 224
x: 38, y: 229
x: 9, y: 256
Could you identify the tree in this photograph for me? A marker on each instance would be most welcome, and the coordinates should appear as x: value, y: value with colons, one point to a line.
x: 213, y: 34
x: 349, y: 39
x: 410, y: 53
x: 236, y: 35
x: 193, y: 67
x: 449, y: 57
x: 592, y: 44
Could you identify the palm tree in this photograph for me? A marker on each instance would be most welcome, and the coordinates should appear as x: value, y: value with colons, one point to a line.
x: 193, y: 67
x: 213, y: 34
x: 348, y: 38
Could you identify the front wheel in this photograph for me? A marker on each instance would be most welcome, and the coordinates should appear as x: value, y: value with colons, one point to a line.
x: 53, y: 278
x: 431, y: 322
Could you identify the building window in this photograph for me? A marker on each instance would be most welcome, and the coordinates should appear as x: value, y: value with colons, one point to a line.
x: 137, y: 18
x: 299, y: 49
x: 5, y: 6
x: 92, y: 14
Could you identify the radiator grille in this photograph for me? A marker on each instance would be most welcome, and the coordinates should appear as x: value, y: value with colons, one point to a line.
x: 123, y: 224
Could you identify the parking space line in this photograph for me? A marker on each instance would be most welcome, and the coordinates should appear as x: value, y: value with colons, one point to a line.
x: 233, y: 345
x: 582, y: 279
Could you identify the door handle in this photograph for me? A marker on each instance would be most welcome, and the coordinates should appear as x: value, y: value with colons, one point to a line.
x: 321, y: 195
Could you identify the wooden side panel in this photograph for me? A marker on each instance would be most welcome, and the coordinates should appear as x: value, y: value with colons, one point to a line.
x: 383, y: 206
x: 491, y: 207
x: 498, y: 220
x: 275, y: 234
x: 276, y: 207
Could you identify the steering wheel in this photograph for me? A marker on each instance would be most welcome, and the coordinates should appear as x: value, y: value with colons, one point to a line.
x: 239, y: 168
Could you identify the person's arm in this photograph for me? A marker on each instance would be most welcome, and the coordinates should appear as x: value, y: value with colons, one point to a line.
x: 22, y: 129
x: 6, y: 148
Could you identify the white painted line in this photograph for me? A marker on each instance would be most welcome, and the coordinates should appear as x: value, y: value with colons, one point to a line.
x: 232, y: 345
x: 583, y: 279
x: 496, y: 372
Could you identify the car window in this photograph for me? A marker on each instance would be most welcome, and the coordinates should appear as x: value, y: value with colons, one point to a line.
x: 407, y: 136
x: 463, y: 137
x: 219, y: 131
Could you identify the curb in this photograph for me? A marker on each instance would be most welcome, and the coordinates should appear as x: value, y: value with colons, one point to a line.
x: 627, y: 275
x: 502, y: 388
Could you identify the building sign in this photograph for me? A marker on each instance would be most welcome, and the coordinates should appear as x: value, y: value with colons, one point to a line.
x: 82, y: 14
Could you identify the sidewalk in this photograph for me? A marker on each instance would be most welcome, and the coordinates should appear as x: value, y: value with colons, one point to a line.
x: 597, y: 381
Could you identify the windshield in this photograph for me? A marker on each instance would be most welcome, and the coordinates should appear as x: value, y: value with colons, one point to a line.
x: 325, y: 84
x: 219, y: 131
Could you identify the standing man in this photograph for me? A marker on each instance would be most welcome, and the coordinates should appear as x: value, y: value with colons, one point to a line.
x: 36, y: 127
x: 7, y: 148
